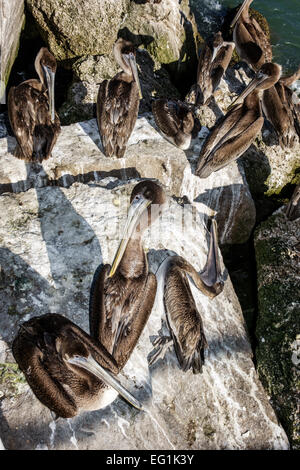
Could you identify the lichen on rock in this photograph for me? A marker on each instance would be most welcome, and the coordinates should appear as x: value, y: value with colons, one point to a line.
x: 278, y: 323
x: 78, y: 27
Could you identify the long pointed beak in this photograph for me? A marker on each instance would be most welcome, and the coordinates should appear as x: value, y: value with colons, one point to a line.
x: 252, y: 85
x: 215, y: 52
x: 136, y: 209
x: 89, y: 364
x: 235, y: 19
x: 50, y: 77
x: 211, y: 273
x: 133, y: 67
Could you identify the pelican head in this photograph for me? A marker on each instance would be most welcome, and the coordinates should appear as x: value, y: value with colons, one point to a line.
x: 124, y: 52
x: 45, y: 65
x: 266, y: 77
x: 140, y: 214
x: 216, y: 44
x: 245, y: 4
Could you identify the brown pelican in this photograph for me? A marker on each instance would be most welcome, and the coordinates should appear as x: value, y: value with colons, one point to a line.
x: 183, y: 318
x: 293, y: 208
x: 32, y: 114
x: 175, y: 120
x: 282, y: 108
x: 213, y: 62
x: 122, y: 295
x: 67, y: 370
x: 118, y: 102
x: 237, y: 130
x: 251, y: 42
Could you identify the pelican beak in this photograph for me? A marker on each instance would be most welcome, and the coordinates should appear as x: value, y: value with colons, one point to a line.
x: 215, y: 52
x: 89, y: 364
x: 50, y: 77
x: 136, y: 209
x: 235, y: 19
x: 258, y: 80
x: 211, y: 274
x: 132, y: 63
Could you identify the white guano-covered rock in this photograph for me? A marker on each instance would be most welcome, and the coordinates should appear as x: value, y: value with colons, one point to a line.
x: 52, y: 240
x: 77, y: 156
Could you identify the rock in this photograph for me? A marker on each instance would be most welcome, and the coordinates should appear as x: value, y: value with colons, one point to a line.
x: 12, y: 20
x: 52, y: 240
x: 92, y: 70
x: 78, y: 156
x: 278, y: 271
x: 167, y: 30
x: 78, y: 27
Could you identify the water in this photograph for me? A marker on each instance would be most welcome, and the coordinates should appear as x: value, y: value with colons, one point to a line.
x: 283, y: 18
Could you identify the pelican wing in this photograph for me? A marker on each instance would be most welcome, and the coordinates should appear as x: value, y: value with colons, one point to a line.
x: 141, y: 309
x: 97, y: 316
x: 232, y: 145
x: 220, y: 130
x: 49, y: 391
x: 204, y: 79
x: 184, y: 320
x: 117, y: 111
x: 280, y: 110
x: 28, y: 111
x: 248, y: 43
x: 166, y: 117
x: 260, y: 38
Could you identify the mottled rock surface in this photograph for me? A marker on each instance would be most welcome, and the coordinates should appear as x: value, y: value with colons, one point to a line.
x: 11, y: 22
x: 278, y: 324
x: 52, y: 240
x: 78, y: 156
x: 78, y: 27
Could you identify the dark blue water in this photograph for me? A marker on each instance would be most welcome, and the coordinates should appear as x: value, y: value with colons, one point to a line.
x: 283, y: 17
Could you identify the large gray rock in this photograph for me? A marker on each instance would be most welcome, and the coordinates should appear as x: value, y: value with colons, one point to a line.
x: 78, y: 27
x: 52, y: 241
x: 11, y: 22
x: 78, y: 156
x: 278, y: 323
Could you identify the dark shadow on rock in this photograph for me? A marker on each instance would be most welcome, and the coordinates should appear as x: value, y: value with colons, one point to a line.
x: 136, y: 39
x: 18, y: 280
x: 269, y: 135
x: 183, y: 73
x: 93, y: 134
x: 37, y: 178
x: 234, y: 84
x: 58, y: 219
x: 143, y: 2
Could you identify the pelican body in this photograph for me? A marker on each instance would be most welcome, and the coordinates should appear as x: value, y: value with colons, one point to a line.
x: 213, y: 62
x: 118, y: 102
x: 175, y: 121
x: 238, y: 129
x: 251, y: 42
x: 183, y: 318
x: 282, y: 108
x: 66, y: 369
x: 32, y: 114
x: 123, y: 294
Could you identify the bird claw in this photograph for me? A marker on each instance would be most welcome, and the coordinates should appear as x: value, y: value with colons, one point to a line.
x: 162, y: 343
